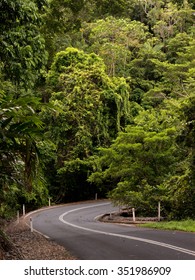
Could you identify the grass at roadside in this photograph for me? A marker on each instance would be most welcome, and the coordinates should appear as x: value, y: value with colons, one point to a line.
x: 186, y: 225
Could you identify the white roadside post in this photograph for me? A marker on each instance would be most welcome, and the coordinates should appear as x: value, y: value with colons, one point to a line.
x: 133, y: 212
x: 159, y: 211
x: 18, y: 217
x: 31, y: 225
x: 49, y: 201
x: 96, y: 196
x: 23, y: 210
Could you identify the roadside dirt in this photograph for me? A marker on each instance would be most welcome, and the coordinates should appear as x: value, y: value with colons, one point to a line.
x: 22, y: 244
x: 124, y: 217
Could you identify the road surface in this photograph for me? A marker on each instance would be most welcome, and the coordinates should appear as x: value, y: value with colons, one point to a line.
x: 75, y: 226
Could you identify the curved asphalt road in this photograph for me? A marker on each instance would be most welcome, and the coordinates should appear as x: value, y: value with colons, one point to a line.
x: 74, y: 226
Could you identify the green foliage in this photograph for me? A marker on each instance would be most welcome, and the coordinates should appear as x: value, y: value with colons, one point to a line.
x: 184, y: 225
x: 181, y: 194
x: 120, y: 93
x: 144, y: 158
x: 110, y: 7
x: 61, y: 20
x: 154, y: 51
x: 19, y: 123
x: 145, y: 75
x: 20, y: 130
x: 115, y: 40
x: 22, y: 49
x: 182, y: 185
x: 92, y: 108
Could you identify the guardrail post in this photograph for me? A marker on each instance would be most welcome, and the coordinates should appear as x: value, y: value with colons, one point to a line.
x: 133, y: 212
x: 159, y: 211
x: 23, y: 210
x: 31, y: 225
x: 18, y: 217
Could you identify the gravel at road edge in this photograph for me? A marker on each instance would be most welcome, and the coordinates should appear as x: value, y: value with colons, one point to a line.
x: 27, y: 245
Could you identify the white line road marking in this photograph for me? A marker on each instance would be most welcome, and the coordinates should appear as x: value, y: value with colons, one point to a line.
x: 169, y: 246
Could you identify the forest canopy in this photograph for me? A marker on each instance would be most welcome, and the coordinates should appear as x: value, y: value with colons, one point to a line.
x: 98, y: 97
